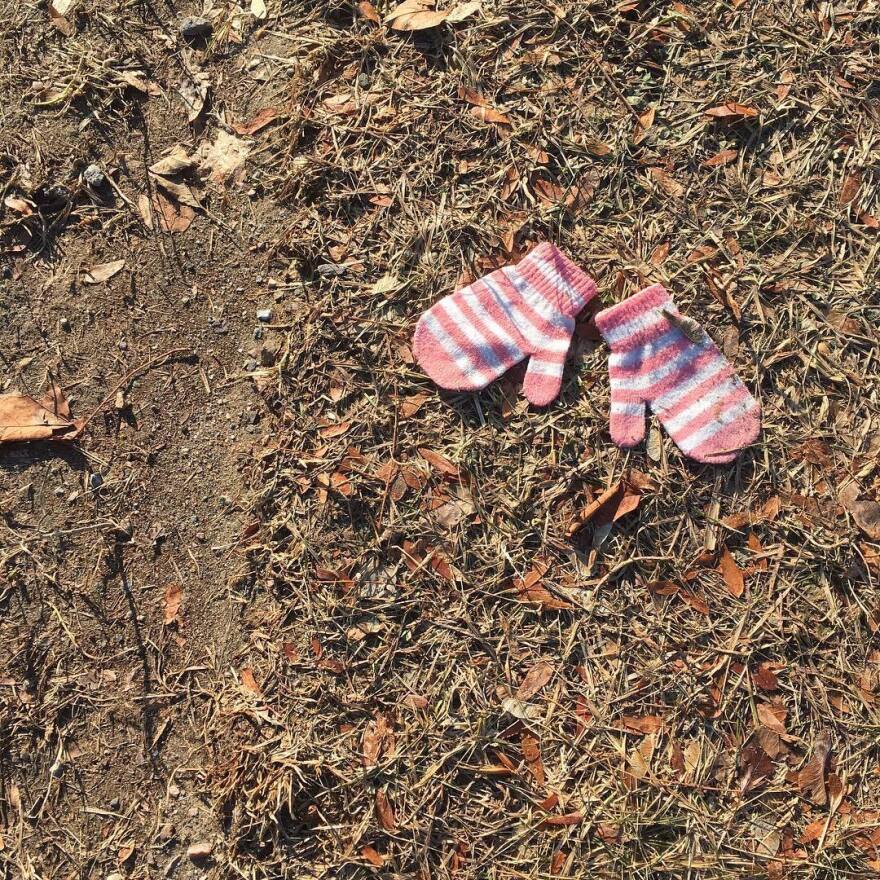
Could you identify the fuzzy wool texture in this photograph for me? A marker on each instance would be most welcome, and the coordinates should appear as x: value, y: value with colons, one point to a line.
x: 665, y: 361
x: 473, y: 336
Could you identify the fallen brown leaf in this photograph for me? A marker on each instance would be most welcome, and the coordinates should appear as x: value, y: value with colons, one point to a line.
x: 562, y: 821
x: 259, y: 121
x: 193, y: 88
x: 385, y: 812
x: 646, y: 120
x: 412, y: 15
x: 535, y: 679
x: 439, y: 462
x: 24, y: 419
x: 223, y: 160
x: 811, y: 778
x: 731, y: 109
x: 773, y: 717
x: 170, y: 216
x: 171, y: 603
x: 852, y: 183
x: 249, y: 682
x: 732, y: 574
x: 370, y: 854
x: 531, y: 748
x: 490, y: 114
x: 725, y: 157
x: 667, y: 183
x: 642, y: 723
x: 102, y: 272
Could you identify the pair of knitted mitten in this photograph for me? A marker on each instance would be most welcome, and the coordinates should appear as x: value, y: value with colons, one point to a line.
x: 658, y: 357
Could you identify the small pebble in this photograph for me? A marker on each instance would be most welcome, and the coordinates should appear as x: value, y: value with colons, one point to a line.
x: 95, y: 177
x: 329, y: 270
x: 6, y: 272
x: 258, y: 332
x: 264, y: 315
x: 64, y: 324
x: 197, y: 852
x: 364, y: 80
x: 250, y: 365
x: 96, y: 481
x: 123, y: 345
x: 196, y: 28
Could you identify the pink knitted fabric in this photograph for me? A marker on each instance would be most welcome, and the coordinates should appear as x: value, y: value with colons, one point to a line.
x: 470, y: 338
x: 698, y: 398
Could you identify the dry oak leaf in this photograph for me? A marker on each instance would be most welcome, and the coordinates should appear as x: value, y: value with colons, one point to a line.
x: 531, y: 749
x: 171, y: 603
x: 867, y: 517
x: 249, y: 683
x: 256, y: 123
x: 176, y: 162
x: 531, y: 591
x: 646, y: 120
x: 667, y: 183
x: 414, y: 15
x: 24, y: 419
x: 20, y: 206
x: 725, y: 157
x: 490, y: 114
x: 535, y: 679
x: 168, y: 215
x: 755, y: 765
x: 773, y: 717
x: 562, y: 821
x: 732, y: 574
x: 811, y: 778
x: 439, y: 462
x: 643, y: 724
x: 193, y: 88
x: 731, y: 109
x: 372, y: 856
x: 102, y: 272
x: 765, y: 678
x: 385, y: 812
x: 851, y: 185
x: 369, y: 12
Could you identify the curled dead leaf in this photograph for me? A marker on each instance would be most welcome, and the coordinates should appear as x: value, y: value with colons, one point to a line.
x: 102, y: 272
x: 193, y: 88
x: 171, y: 603
x: 725, y: 157
x: 730, y: 110
x: 732, y: 573
x: 385, y: 811
x: 24, y: 419
x: 535, y: 679
x: 257, y: 122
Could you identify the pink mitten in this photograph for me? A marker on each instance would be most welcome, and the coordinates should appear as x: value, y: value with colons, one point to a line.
x: 473, y: 336
x: 668, y: 361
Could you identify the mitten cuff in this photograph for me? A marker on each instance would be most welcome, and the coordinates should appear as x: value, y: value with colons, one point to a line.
x: 637, y: 320
x: 555, y: 280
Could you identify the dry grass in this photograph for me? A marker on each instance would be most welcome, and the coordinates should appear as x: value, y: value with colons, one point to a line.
x: 429, y: 676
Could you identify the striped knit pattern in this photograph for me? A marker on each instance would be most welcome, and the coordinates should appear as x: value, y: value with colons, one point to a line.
x: 470, y: 338
x: 697, y: 397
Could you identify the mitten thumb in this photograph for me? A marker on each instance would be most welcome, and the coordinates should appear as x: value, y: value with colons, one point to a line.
x: 544, y: 372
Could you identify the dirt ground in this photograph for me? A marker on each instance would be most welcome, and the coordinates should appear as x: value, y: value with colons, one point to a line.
x: 285, y: 609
